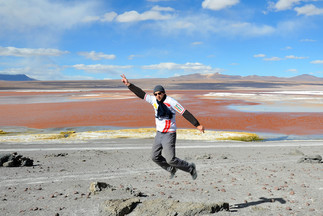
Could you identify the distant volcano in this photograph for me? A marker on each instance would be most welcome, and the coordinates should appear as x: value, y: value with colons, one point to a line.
x: 15, y: 77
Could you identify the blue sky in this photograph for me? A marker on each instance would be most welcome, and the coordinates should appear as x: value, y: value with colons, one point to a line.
x: 101, y: 39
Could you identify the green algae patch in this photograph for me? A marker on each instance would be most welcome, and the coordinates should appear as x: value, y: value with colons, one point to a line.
x: 3, y: 132
x: 136, y: 133
x: 193, y: 134
x: 61, y: 135
x: 243, y: 136
x: 140, y: 133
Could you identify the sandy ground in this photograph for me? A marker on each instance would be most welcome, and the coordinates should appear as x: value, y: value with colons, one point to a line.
x: 258, y: 178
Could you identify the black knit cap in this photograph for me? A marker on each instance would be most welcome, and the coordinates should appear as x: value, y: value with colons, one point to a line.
x: 159, y: 88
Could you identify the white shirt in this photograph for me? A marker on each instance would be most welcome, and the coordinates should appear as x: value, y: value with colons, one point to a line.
x: 162, y: 124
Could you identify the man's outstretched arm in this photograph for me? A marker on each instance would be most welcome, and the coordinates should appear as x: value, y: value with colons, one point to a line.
x: 189, y: 117
x: 136, y: 90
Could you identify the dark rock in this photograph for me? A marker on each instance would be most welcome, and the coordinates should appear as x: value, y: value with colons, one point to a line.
x: 119, y: 207
x: 15, y: 160
x: 310, y: 159
x: 167, y: 207
x: 4, y: 158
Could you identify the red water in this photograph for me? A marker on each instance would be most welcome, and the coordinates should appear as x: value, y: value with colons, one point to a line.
x: 134, y: 112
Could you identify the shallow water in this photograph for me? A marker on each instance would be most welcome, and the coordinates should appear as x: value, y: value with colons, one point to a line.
x: 279, y: 101
x: 277, y: 107
x: 250, y: 111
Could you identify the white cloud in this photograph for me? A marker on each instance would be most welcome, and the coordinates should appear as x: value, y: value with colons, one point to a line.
x: 131, y: 57
x: 37, y: 67
x: 218, y: 4
x: 97, y: 55
x: 295, y: 57
x: 27, y: 52
x: 288, y: 48
x: 196, y: 43
x: 285, y: 4
x: 134, y: 16
x: 317, y: 62
x: 159, y: 8
x: 191, y: 67
x: 273, y: 59
x: 259, y: 55
x: 204, y: 24
x: 309, y: 10
x: 292, y: 70
x: 99, y: 68
x: 307, y: 40
x: 155, y: 13
x: 20, y: 16
x: 108, y: 17
x: 158, y: 0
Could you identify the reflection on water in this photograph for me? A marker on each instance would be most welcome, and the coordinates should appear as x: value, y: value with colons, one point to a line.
x: 31, y: 99
x: 62, y: 97
x: 280, y: 101
x: 279, y: 107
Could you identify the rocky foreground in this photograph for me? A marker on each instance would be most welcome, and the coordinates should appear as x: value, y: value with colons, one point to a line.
x: 117, y: 177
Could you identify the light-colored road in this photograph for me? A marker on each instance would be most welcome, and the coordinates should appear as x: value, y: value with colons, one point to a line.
x: 144, y: 144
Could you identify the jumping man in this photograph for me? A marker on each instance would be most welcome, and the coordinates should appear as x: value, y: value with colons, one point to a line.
x: 165, y: 109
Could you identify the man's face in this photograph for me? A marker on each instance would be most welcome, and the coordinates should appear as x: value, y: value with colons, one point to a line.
x: 159, y: 95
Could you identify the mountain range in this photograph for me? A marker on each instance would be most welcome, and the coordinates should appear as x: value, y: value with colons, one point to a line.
x: 218, y: 76
x: 198, y: 76
x: 191, y: 81
x: 15, y: 77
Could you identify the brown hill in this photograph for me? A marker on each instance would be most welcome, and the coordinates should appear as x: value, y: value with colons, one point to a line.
x: 192, y: 81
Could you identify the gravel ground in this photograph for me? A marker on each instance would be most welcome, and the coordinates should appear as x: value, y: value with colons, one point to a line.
x: 259, y: 178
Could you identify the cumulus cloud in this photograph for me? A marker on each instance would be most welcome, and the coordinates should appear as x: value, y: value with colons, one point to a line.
x: 317, y: 62
x: 278, y: 58
x: 99, y: 68
x: 38, y: 67
x: 158, y: 0
x: 259, y: 55
x: 131, y: 57
x: 188, y: 67
x: 273, y: 59
x: 284, y: 4
x: 97, y: 55
x: 27, y: 52
x: 17, y: 15
x: 204, y: 24
x: 309, y: 10
x: 295, y: 57
x: 196, y: 43
x: 218, y: 4
x: 288, y: 48
x: 155, y: 13
x: 307, y: 40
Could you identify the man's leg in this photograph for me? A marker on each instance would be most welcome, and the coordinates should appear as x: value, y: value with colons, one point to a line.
x: 168, y: 143
x: 156, y: 154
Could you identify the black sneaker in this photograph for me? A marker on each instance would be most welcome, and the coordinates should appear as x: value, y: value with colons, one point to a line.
x: 193, y: 171
x: 172, y: 172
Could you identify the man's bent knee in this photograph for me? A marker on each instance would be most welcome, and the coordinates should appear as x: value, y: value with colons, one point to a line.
x: 156, y: 159
x: 172, y: 161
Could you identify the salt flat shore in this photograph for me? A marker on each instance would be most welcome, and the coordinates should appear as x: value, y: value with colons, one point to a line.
x: 255, y: 178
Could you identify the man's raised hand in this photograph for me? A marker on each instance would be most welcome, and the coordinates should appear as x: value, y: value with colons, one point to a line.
x: 125, y: 80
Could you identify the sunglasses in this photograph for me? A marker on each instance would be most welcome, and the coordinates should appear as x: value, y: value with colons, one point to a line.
x: 158, y: 93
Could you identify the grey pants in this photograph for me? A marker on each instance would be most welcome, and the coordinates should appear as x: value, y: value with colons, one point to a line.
x: 165, y: 142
